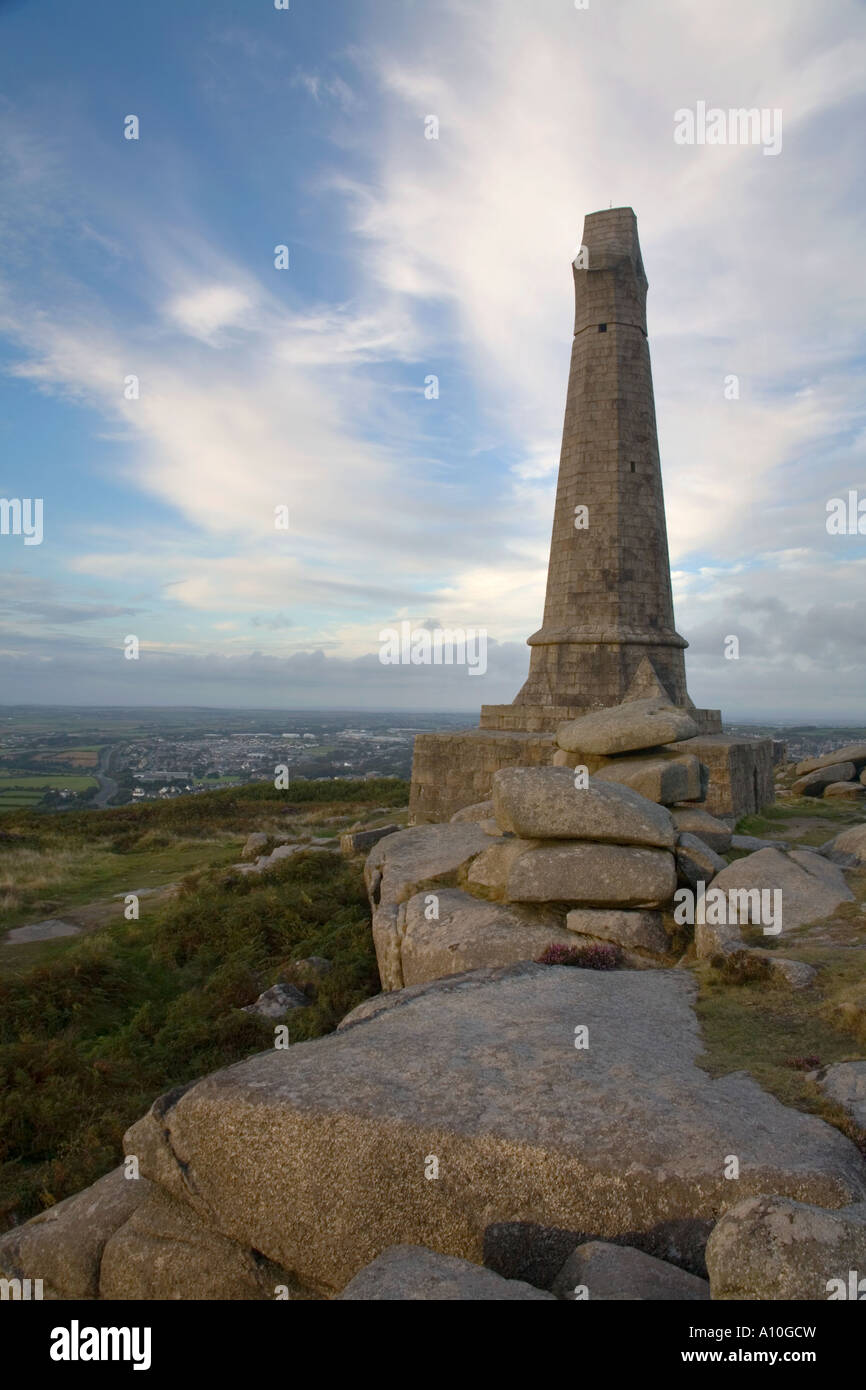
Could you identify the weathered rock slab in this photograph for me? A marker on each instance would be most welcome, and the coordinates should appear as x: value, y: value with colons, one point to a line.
x: 470, y: 934
x: 543, y: 803
x: 634, y: 931
x: 691, y: 820
x: 696, y: 862
x: 63, y: 1246
x: 624, y: 728
x: 845, y: 1082
x: 811, y: 887
x: 846, y: 791
x: 626, y: 1138
x: 399, y: 867
x: 411, y: 1272
x: 814, y: 783
x: 770, y: 1247
x: 594, y: 875
x: 852, y: 753
x: 487, y: 874
x: 166, y: 1251
x: 617, y: 1273
x: 663, y: 780
x: 362, y: 841
x: 850, y: 842
x: 401, y: 864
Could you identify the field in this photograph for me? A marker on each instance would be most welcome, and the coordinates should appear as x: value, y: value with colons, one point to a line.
x: 21, y: 789
x: 72, y: 757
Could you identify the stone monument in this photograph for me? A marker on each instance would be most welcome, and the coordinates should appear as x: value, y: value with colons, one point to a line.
x: 608, y: 633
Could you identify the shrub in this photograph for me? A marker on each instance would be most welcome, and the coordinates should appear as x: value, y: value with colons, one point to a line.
x: 595, y: 957
x: 742, y: 967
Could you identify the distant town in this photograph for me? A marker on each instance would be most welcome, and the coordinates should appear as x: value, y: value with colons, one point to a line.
x: 63, y: 758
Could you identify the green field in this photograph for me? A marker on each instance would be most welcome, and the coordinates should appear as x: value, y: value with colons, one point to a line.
x: 41, y: 781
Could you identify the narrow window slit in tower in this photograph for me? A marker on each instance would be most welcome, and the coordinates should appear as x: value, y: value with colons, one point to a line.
x: 602, y: 328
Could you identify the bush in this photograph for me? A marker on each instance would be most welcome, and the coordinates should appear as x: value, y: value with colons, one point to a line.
x: 742, y: 968
x: 595, y: 957
x: 89, y: 1040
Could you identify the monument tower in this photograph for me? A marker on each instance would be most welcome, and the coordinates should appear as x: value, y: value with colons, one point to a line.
x: 608, y: 634
x: 608, y: 629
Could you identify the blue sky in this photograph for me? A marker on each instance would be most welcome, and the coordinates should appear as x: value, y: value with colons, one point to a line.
x: 411, y: 257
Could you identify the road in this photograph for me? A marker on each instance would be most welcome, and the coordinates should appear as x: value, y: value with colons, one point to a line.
x: 108, y: 788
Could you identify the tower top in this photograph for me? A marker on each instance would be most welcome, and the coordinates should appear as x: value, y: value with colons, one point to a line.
x: 610, y: 282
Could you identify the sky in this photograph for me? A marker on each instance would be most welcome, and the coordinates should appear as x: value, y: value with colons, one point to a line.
x: 307, y: 388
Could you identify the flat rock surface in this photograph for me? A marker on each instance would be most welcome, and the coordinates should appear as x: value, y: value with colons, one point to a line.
x: 544, y: 803
x: 315, y: 1155
x: 624, y: 728
x: 410, y: 1272
x: 593, y: 875
x: 48, y: 930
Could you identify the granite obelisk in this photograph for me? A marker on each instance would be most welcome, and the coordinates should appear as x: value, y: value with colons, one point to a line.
x: 608, y: 634
x: 608, y: 630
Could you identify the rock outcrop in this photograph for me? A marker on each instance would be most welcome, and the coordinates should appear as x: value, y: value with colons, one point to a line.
x: 64, y: 1245
x: 598, y: 1271
x: 775, y: 1248
x: 481, y: 1072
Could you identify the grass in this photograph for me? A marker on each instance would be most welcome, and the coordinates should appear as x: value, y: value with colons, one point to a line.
x: 48, y: 862
x: 94, y: 1028
x: 762, y: 1030
x: 57, y: 781
x: 759, y: 1028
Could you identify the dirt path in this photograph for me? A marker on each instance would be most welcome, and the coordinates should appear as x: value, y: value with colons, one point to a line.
x: 89, y: 917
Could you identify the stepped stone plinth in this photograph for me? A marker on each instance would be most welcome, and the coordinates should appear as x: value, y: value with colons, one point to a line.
x: 608, y: 633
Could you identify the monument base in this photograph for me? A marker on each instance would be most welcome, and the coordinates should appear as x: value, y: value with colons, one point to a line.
x: 741, y: 773
x: 450, y: 771
x: 547, y: 718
